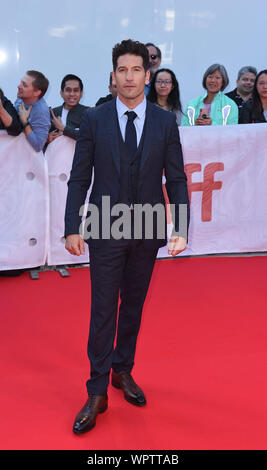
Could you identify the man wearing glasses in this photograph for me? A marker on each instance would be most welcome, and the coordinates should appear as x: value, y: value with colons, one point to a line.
x: 154, y: 62
x: 154, y: 56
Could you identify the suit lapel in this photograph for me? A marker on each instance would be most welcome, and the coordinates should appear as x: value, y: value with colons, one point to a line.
x: 149, y: 130
x: 59, y: 110
x: 112, y: 133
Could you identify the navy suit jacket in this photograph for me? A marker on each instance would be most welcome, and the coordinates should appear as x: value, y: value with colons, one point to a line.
x: 98, y: 150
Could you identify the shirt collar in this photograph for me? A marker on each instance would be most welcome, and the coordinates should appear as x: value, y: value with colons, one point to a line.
x: 35, y: 103
x: 202, y: 97
x: 122, y: 108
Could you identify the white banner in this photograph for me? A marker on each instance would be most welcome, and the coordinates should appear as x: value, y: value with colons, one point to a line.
x: 59, y: 155
x: 24, y: 198
x: 227, y: 173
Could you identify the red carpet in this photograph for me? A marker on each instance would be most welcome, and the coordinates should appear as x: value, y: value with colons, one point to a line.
x: 201, y: 360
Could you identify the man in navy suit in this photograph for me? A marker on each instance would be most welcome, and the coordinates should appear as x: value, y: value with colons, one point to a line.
x: 128, y: 143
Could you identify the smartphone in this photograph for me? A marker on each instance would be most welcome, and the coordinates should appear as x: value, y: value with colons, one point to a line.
x: 202, y: 114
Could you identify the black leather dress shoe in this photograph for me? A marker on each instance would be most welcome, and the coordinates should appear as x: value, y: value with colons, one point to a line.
x: 132, y: 393
x: 86, y: 418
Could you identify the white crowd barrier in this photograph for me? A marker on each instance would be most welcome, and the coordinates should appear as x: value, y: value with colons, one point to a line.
x: 227, y: 174
x: 59, y: 155
x: 226, y: 168
x: 24, y: 211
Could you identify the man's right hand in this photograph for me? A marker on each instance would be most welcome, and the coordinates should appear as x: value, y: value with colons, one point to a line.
x: 75, y: 245
x: 52, y: 136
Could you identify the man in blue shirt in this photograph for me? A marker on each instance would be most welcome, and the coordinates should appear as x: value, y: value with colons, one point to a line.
x: 32, y: 108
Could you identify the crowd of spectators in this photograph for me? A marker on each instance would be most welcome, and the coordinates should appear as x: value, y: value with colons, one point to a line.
x: 30, y: 114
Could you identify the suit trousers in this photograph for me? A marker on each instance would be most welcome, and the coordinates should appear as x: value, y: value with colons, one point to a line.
x: 123, y: 269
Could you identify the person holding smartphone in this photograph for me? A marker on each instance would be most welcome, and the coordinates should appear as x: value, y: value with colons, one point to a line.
x: 213, y: 107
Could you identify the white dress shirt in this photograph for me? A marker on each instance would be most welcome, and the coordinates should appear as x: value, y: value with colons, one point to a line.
x: 64, y: 116
x: 140, y: 110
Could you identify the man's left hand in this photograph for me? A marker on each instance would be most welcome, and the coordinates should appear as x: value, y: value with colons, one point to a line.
x: 176, y: 245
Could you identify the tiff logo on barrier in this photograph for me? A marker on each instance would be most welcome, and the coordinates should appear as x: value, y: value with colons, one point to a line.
x: 207, y: 186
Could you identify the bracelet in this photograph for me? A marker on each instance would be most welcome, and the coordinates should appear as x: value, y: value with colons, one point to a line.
x: 25, y: 124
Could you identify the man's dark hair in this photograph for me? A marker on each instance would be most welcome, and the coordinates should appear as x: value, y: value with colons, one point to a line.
x: 70, y: 76
x: 156, y: 47
x: 40, y: 82
x: 130, y: 47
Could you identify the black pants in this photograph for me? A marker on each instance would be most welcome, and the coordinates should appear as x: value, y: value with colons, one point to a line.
x: 125, y: 269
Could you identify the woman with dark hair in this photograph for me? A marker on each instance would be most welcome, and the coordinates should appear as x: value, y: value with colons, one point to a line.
x: 213, y: 107
x: 164, y: 91
x: 256, y: 112
x: 9, y: 120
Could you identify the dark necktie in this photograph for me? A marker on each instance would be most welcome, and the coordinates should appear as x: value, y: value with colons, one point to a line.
x: 130, y: 133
